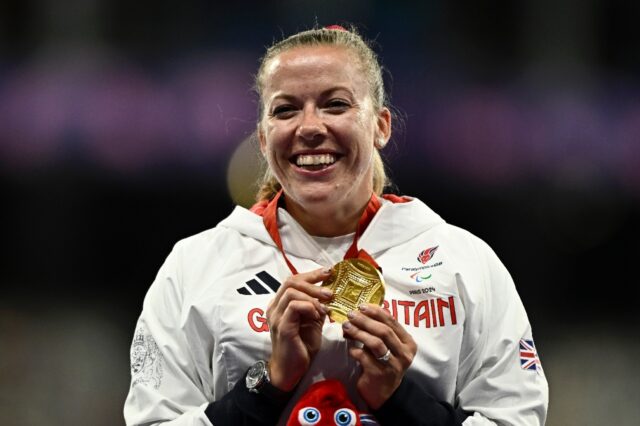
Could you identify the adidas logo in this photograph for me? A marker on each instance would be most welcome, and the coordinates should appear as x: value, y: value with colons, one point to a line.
x: 266, y: 285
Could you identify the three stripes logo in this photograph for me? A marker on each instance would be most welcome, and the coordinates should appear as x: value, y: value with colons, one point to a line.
x: 265, y: 285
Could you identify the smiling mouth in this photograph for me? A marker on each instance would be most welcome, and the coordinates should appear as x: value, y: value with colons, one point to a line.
x: 314, y: 161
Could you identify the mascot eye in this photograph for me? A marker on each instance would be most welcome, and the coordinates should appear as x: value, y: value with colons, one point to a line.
x: 308, y: 416
x: 345, y: 417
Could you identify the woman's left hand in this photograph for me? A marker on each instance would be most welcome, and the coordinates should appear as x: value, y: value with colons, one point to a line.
x: 379, y: 332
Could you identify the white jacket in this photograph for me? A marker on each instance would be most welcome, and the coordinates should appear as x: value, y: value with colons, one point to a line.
x: 203, y: 320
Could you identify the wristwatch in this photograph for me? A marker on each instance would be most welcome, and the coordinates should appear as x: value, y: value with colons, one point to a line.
x: 257, y: 377
x: 258, y: 381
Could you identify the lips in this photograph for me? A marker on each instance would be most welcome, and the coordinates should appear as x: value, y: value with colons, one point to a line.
x: 314, y: 161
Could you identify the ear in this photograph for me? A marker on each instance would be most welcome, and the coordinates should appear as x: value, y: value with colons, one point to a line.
x: 384, y: 128
x: 262, y: 139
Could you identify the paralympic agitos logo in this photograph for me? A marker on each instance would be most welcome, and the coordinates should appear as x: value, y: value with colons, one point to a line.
x: 419, y: 277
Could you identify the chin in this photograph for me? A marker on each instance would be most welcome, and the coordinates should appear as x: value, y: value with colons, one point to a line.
x: 306, y: 197
x: 317, y: 196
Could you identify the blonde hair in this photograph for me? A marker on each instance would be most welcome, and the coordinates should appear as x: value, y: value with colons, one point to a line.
x: 351, y: 40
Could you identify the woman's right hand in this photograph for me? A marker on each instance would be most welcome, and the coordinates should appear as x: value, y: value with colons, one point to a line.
x: 295, y: 317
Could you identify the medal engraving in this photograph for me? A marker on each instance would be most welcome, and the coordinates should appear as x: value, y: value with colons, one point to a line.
x: 353, y: 282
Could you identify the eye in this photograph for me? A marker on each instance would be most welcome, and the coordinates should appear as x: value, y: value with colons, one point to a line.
x: 308, y: 416
x: 337, y: 105
x: 345, y: 417
x: 283, y: 111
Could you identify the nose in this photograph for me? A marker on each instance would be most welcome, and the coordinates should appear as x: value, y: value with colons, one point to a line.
x: 311, y: 127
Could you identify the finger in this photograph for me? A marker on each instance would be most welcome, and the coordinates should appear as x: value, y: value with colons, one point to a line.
x: 372, y: 330
x: 361, y: 355
x: 298, y: 311
x: 306, y: 282
x: 289, y: 296
x: 377, y: 313
x: 394, y: 336
x: 369, y: 361
x: 375, y: 344
x: 315, y: 276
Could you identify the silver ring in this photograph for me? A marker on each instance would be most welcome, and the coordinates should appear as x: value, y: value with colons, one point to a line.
x: 385, y: 358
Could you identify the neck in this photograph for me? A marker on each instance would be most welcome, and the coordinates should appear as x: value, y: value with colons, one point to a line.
x: 321, y: 221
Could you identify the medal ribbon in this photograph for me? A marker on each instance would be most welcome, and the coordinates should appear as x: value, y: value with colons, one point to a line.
x: 269, y: 212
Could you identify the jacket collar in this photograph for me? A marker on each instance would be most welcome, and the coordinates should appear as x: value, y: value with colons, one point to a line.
x: 394, y: 224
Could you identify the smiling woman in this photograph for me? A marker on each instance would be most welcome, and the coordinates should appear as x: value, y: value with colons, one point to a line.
x: 241, y: 334
x: 355, y: 53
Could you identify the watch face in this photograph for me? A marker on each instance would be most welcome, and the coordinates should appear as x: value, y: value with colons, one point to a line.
x: 255, y: 375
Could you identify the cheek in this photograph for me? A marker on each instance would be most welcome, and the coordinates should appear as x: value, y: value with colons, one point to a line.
x: 277, y: 139
x: 365, y: 153
x: 363, y: 140
x: 356, y: 129
x: 276, y: 158
x: 271, y: 155
x: 272, y: 143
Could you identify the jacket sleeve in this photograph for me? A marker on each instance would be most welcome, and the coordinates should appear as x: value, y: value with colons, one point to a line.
x: 171, y: 376
x: 500, y: 378
x: 410, y: 404
x: 166, y: 386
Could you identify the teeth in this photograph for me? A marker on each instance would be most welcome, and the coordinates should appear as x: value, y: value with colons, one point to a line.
x: 314, y: 160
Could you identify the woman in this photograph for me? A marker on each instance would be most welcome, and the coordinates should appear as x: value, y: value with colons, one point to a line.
x: 232, y: 333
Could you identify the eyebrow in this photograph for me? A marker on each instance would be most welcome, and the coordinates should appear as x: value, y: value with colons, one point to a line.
x: 324, y: 93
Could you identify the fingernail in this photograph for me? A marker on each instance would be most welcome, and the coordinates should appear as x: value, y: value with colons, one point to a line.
x: 324, y: 309
x: 326, y: 271
x: 327, y: 293
x: 362, y: 307
x: 351, y: 314
x: 346, y: 325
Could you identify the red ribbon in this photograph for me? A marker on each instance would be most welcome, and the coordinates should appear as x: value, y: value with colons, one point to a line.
x: 269, y: 212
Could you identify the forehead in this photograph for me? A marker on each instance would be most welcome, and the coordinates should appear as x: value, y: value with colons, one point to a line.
x: 307, y: 66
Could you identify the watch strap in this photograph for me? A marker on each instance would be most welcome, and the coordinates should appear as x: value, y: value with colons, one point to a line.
x: 273, y: 393
x: 263, y: 386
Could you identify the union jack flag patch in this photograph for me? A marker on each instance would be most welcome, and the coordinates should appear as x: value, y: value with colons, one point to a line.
x: 528, y: 355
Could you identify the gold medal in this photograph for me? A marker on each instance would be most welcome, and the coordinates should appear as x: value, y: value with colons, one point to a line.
x: 353, y: 282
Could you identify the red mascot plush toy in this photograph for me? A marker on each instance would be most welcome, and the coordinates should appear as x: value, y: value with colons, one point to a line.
x: 327, y: 403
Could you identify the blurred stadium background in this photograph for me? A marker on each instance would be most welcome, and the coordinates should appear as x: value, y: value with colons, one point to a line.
x: 124, y: 127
